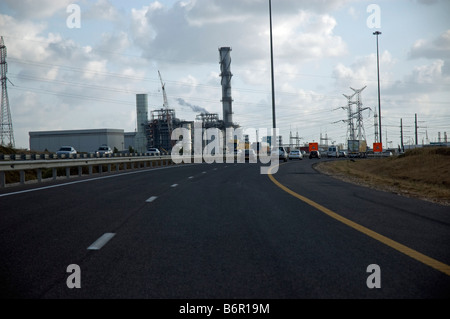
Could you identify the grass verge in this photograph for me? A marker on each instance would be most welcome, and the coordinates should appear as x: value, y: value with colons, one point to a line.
x: 422, y: 173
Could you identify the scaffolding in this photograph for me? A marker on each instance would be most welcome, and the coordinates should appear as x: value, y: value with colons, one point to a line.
x: 159, y: 129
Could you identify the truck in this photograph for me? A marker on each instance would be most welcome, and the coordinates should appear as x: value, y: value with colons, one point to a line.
x: 357, y: 148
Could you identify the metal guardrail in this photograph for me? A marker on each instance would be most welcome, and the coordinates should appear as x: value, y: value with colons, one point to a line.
x: 40, y: 164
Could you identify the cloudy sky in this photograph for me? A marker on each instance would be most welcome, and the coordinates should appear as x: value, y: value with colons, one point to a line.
x: 70, y: 73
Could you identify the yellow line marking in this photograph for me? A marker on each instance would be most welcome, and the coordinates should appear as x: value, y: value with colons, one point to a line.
x: 436, y: 264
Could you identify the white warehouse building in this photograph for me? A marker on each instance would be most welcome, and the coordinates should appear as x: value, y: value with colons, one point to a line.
x: 82, y: 140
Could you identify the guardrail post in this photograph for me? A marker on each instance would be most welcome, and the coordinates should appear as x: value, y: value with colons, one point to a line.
x: 109, y: 168
x: 54, y: 173
x: 80, y: 171
x: 90, y: 169
x: 68, y: 172
x: 100, y: 169
x: 39, y: 175
x: 22, y: 177
x: 2, y: 179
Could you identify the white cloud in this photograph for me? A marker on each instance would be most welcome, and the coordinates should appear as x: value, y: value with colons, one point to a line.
x: 363, y: 71
x: 438, y: 48
x: 37, y: 9
x: 101, y: 10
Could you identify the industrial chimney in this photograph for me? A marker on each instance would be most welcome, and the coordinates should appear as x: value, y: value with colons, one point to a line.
x: 225, y: 61
x: 140, y: 140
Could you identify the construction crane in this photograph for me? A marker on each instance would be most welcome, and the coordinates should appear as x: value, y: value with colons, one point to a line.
x: 166, y: 107
x: 166, y: 104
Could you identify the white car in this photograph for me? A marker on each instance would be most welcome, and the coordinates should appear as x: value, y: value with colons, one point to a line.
x: 295, y: 154
x: 67, y: 151
x: 153, y: 152
x: 104, y: 150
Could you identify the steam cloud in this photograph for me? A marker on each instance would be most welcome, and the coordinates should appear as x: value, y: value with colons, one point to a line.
x: 194, y: 108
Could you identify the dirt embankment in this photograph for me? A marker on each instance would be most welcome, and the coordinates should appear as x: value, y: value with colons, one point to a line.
x: 422, y: 173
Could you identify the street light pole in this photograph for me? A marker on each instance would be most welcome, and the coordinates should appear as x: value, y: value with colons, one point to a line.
x: 379, y: 103
x: 271, y: 63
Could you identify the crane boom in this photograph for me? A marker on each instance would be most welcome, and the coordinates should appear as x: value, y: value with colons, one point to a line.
x: 167, y: 111
x: 166, y: 104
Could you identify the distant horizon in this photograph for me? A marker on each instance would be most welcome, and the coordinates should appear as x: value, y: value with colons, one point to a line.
x: 80, y: 64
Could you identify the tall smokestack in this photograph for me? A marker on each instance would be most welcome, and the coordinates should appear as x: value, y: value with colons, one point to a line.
x: 225, y: 62
x: 140, y: 139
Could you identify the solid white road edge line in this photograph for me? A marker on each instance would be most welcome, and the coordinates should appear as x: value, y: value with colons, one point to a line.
x: 89, y: 180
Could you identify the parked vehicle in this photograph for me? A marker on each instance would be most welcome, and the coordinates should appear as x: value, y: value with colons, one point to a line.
x: 314, y: 154
x: 67, y: 151
x: 295, y: 154
x: 153, y: 152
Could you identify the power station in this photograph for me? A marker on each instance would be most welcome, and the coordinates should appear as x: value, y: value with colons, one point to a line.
x: 153, y: 129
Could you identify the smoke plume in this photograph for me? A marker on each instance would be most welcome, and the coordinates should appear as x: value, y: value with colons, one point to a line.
x: 194, y: 108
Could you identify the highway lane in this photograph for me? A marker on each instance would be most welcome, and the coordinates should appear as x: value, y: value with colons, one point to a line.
x: 217, y: 231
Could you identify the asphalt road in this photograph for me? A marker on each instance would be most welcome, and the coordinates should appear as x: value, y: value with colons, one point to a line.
x: 217, y: 231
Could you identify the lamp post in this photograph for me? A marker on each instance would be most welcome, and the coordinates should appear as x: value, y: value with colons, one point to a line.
x: 378, y: 72
x: 271, y: 64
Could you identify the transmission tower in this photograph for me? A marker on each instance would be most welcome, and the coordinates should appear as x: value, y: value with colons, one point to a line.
x: 375, y: 125
x: 359, y: 118
x: 6, y: 127
x: 350, y: 123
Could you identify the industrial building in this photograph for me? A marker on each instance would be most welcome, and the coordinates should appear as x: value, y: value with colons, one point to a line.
x: 82, y: 140
x: 153, y: 132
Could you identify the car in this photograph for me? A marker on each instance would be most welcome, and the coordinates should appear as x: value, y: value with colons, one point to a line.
x: 295, y: 154
x: 342, y: 154
x: 153, y: 152
x: 103, y: 150
x: 68, y: 151
x: 283, y: 154
x: 314, y: 154
x: 250, y: 155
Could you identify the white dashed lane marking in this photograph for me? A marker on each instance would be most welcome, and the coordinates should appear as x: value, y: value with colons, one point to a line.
x: 151, y: 199
x: 99, y: 243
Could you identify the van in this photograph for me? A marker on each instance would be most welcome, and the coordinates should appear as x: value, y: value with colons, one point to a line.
x: 333, y: 151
